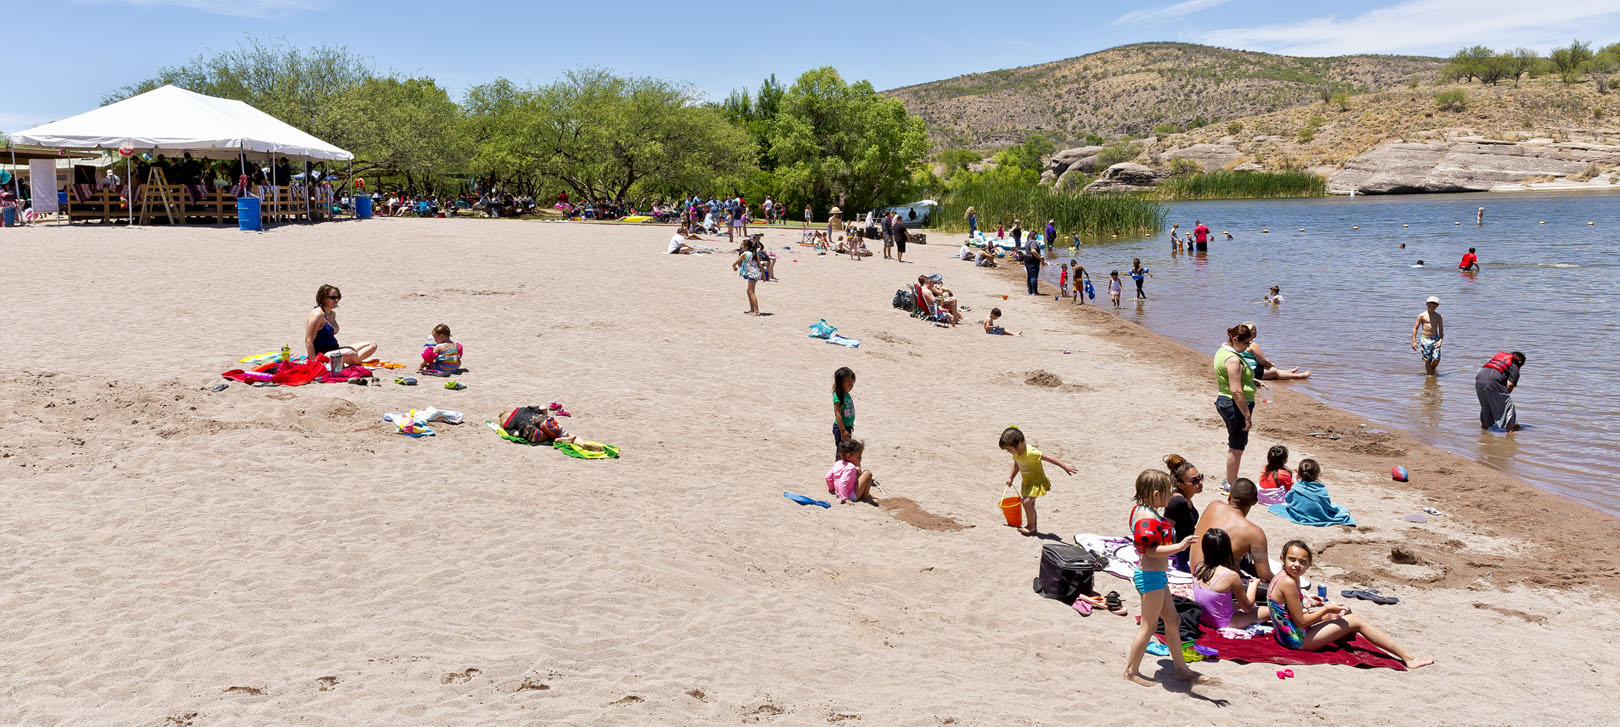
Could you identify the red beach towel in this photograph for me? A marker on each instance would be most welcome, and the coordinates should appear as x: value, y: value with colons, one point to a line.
x: 1356, y: 651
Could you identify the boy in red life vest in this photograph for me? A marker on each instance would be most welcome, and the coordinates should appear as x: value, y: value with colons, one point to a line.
x: 1470, y: 261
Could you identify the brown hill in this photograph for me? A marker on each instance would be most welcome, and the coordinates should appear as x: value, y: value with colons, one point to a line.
x: 1133, y: 88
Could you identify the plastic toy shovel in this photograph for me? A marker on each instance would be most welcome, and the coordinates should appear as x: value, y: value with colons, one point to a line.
x: 802, y: 500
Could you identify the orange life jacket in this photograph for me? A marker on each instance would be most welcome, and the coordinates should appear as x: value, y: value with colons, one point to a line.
x: 1500, y: 362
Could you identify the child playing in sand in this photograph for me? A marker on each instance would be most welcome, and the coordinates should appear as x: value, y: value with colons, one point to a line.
x: 1027, y: 466
x: 846, y: 480
x: 1137, y: 271
x: 843, y: 408
x: 1114, y: 288
x: 443, y: 356
x: 992, y: 324
x: 1301, y: 630
x: 1275, y: 480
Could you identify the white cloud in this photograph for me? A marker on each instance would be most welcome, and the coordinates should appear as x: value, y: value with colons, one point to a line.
x: 234, y: 8
x: 1430, y: 26
x: 1184, y: 8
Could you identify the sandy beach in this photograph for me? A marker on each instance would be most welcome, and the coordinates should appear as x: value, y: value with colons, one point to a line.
x: 177, y: 556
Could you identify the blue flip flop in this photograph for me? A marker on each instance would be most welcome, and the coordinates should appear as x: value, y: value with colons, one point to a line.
x: 1369, y: 594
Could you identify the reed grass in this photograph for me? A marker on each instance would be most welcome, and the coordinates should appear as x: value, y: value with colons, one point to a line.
x: 1240, y: 185
x: 1071, y: 212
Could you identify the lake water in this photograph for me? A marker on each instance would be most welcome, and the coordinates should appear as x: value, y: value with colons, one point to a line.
x: 1550, y: 290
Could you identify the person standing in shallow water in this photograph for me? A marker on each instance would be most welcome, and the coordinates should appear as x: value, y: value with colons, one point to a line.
x: 1494, y: 382
x: 1429, y: 334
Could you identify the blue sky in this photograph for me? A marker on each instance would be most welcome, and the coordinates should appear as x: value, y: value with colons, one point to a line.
x: 103, y: 44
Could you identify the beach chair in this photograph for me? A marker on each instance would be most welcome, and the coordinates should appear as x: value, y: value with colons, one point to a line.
x: 925, y: 310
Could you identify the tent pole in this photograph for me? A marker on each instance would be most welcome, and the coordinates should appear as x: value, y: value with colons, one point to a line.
x: 351, y: 186
x: 129, y: 189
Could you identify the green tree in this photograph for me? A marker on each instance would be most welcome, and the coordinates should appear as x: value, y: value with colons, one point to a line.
x: 608, y: 137
x: 293, y: 84
x: 833, y: 137
x: 1604, y: 63
x: 1031, y: 154
x: 1452, y: 100
x: 955, y: 159
x: 1472, y: 62
x: 1570, y: 61
x: 408, y: 127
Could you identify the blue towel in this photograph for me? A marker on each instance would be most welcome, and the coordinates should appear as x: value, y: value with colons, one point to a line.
x: 1308, y: 504
x: 845, y: 342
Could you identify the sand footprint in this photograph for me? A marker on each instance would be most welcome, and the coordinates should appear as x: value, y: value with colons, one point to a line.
x: 253, y: 691
x: 327, y: 682
x: 459, y: 677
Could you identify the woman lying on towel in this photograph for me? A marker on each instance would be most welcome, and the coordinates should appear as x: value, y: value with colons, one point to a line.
x: 321, y: 327
x: 1304, y: 630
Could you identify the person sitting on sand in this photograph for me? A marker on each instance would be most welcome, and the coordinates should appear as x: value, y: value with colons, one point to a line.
x: 992, y: 324
x: 1301, y: 630
x: 1228, y: 599
x: 986, y: 257
x: 1275, y: 479
x: 321, y: 328
x: 1232, y: 516
x: 947, y: 300
x: 930, y: 302
x: 1181, y: 512
x: 846, y: 480
x: 443, y: 356
x: 1262, y: 366
x: 1154, y: 538
x: 677, y: 243
x: 966, y: 253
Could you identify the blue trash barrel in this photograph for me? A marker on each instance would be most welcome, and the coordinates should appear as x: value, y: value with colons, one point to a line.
x: 362, y: 206
x: 247, y: 214
x: 10, y: 217
x: 61, y: 198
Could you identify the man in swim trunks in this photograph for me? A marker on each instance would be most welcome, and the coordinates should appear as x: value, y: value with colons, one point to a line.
x: 1429, y: 334
x: 1248, y: 539
x: 1201, y: 235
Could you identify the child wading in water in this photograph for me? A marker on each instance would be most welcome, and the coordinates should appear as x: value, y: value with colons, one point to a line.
x: 1137, y: 271
x: 1027, y: 465
x: 1155, y: 540
x: 1114, y: 288
x: 843, y: 409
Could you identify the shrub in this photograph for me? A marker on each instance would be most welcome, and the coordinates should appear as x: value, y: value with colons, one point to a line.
x: 1166, y: 129
x: 1452, y: 100
x: 1307, y: 134
x: 1341, y: 101
x: 1597, y: 112
x: 1234, y: 128
x: 1115, y: 153
x: 1179, y: 166
x: 1316, y: 122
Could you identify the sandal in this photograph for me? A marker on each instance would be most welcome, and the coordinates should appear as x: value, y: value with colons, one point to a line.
x: 405, y: 381
x: 557, y: 410
x: 454, y: 385
x: 1115, y: 606
x: 1369, y: 594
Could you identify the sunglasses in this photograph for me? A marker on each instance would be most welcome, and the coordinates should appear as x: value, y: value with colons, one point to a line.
x: 334, y: 297
x: 1199, y: 480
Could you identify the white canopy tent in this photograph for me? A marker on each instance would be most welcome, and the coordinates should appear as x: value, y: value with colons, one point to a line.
x: 172, y: 120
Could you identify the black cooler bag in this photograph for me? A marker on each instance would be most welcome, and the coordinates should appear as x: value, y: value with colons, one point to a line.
x: 1065, y: 572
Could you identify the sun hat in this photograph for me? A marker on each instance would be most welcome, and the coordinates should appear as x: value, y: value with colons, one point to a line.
x: 1433, y: 299
x: 835, y: 210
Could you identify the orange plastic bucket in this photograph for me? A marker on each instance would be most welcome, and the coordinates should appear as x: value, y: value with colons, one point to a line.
x: 1012, y: 508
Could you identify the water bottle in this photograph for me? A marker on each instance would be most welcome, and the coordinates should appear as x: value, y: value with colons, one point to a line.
x: 286, y: 353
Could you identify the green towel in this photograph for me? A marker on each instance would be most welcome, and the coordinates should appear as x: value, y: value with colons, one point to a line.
x: 574, y: 450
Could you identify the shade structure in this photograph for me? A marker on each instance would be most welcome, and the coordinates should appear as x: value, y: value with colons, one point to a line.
x: 172, y: 120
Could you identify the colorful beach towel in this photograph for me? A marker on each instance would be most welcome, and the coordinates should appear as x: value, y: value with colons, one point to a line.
x: 1308, y: 504
x: 1356, y: 651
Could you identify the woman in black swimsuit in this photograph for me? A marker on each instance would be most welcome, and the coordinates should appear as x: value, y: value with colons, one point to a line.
x: 321, y: 327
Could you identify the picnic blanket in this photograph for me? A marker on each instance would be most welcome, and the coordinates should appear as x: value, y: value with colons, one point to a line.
x: 1308, y: 504
x: 1355, y: 651
x: 296, y: 373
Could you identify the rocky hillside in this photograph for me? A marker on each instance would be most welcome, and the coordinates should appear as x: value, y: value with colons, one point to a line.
x: 1543, y: 133
x: 1131, y: 89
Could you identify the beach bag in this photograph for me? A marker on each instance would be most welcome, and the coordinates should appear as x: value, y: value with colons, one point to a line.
x: 527, y: 423
x: 905, y: 300
x: 1066, y: 572
x: 821, y: 329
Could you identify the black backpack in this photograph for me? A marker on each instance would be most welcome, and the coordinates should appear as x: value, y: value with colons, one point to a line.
x: 1066, y: 571
x: 905, y: 299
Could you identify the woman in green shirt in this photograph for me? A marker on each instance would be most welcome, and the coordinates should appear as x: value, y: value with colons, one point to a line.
x: 1236, y: 411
